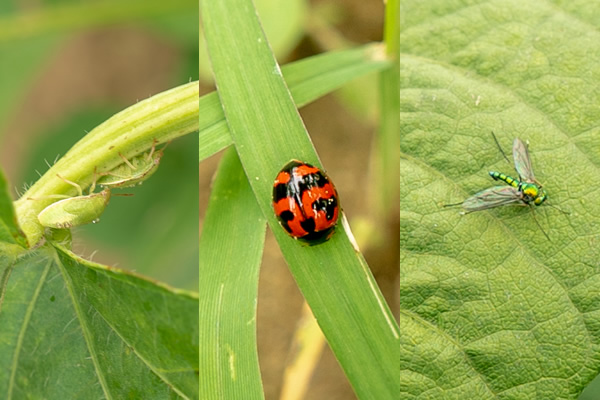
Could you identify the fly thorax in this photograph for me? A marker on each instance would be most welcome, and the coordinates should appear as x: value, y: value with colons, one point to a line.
x: 532, y: 193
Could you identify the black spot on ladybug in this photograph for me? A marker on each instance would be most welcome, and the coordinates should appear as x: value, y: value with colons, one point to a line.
x: 326, y: 205
x: 279, y: 192
x: 286, y: 216
x: 318, y: 237
x: 308, y: 225
x: 310, y: 181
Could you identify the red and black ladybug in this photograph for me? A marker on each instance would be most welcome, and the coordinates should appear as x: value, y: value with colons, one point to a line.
x: 305, y: 202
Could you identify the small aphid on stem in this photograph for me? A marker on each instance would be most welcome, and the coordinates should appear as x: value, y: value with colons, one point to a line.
x: 133, y: 171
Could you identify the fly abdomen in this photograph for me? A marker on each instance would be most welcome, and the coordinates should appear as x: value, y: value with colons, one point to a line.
x: 499, y: 176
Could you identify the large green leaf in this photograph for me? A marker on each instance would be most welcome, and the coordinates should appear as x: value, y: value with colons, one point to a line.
x: 70, y: 327
x: 490, y: 308
x: 75, y: 329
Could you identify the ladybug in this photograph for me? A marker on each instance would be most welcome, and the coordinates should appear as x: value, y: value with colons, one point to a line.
x: 305, y: 202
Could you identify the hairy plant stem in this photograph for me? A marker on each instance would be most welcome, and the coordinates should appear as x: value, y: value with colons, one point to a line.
x: 158, y: 119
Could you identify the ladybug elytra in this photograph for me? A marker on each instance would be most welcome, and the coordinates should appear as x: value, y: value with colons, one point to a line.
x: 305, y: 202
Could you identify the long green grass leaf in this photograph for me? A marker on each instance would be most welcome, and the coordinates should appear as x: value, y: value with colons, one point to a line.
x: 230, y: 255
x: 308, y: 79
x: 267, y: 132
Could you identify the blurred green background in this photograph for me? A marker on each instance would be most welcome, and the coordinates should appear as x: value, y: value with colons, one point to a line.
x: 69, y: 65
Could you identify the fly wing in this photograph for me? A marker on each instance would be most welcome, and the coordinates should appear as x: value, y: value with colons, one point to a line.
x: 493, y: 197
x: 522, y: 161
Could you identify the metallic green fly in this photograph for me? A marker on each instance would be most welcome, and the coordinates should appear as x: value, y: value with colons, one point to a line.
x: 524, y: 191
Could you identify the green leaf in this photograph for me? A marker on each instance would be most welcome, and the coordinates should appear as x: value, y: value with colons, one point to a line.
x: 308, y: 79
x: 74, y: 329
x: 12, y: 240
x: 267, y: 133
x: 230, y: 256
x: 283, y: 23
x: 385, y: 184
x: 9, y: 229
x: 490, y: 308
